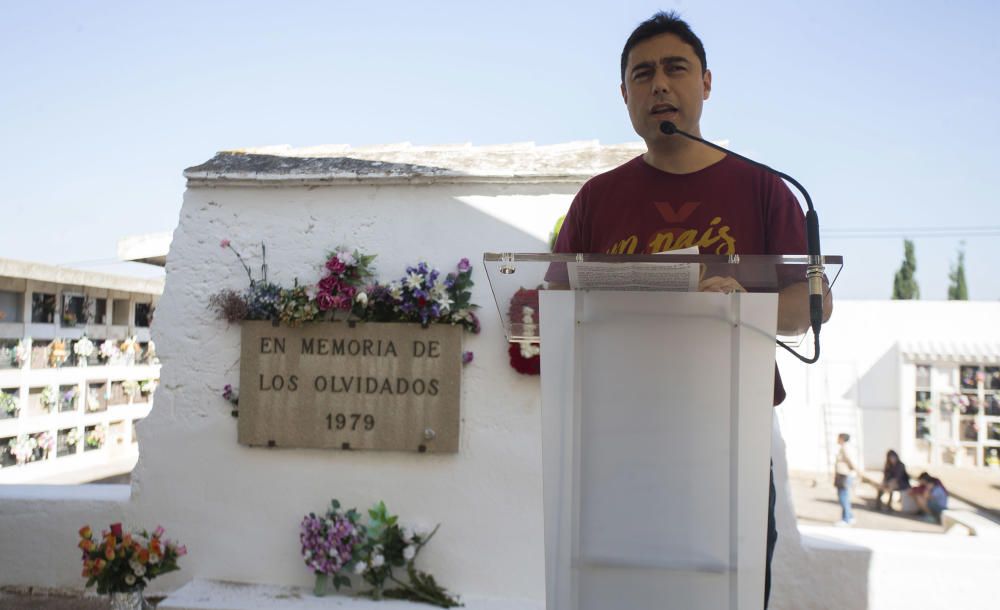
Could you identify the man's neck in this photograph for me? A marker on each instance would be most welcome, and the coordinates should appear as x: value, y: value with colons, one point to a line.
x: 679, y: 155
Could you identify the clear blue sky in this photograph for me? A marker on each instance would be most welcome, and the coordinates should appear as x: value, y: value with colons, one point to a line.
x: 887, y: 111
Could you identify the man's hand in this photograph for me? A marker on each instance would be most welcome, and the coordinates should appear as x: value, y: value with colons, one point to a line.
x: 716, y: 283
x: 793, y: 308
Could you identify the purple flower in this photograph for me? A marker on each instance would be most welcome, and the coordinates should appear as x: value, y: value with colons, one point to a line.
x: 224, y: 243
x: 463, y: 265
x: 466, y: 357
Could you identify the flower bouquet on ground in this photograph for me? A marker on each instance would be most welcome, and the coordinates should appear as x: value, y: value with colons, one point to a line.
x: 341, y: 544
x: 328, y: 544
x: 120, y: 562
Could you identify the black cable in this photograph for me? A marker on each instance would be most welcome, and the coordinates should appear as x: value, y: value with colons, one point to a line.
x: 814, y: 270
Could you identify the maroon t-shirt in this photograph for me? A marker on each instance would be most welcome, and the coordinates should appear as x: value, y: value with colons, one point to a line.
x: 729, y: 207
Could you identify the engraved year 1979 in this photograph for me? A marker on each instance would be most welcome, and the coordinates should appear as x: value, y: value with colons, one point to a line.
x: 341, y: 421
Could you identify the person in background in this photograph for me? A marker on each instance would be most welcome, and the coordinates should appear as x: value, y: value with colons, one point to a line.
x: 894, y: 478
x: 931, y: 497
x: 845, y: 471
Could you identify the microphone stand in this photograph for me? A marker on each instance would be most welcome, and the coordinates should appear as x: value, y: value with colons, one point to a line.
x: 814, y: 269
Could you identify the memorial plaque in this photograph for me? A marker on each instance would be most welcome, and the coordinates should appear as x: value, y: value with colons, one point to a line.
x: 389, y: 386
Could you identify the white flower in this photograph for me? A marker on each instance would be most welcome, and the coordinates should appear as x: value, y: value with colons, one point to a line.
x: 361, y: 298
x: 138, y: 569
x: 421, y: 530
x: 407, y: 534
x: 395, y: 290
x: 529, y: 350
x: 378, y: 561
x: 129, y: 579
x: 154, y: 558
x: 360, y: 567
x: 84, y: 347
x: 409, y: 552
x: 346, y: 257
x: 414, y: 281
x: 445, y: 303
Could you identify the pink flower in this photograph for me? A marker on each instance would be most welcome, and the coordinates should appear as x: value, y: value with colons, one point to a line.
x: 224, y: 243
x: 348, y: 292
x: 329, y: 284
x: 116, y: 529
x: 335, y: 265
x: 182, y: 550
x: 463, y: 265
x: 158, y: 531
x: 325, y: 301
x: 340, y: 302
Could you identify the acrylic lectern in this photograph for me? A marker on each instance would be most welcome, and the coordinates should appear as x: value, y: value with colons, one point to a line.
x: 656, y: 422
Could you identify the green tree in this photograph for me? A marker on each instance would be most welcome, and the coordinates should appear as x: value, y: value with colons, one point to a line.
x: 957, y: 289
x: 904, y: 286
x: 554, y: 235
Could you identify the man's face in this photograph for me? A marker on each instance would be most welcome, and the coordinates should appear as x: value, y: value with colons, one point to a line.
x: 664, y: 82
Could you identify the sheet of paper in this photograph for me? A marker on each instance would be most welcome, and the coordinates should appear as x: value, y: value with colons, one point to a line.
x: 667, y: 277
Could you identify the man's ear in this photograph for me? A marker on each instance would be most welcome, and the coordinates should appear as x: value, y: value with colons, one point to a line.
x: 706, y: 81
x: 624, y: 94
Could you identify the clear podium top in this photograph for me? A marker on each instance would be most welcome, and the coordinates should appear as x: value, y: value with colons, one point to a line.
x: 516, y: 278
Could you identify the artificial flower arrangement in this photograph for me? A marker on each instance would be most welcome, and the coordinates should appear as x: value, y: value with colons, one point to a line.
x: 122, y: 561
x: 93, y: 400
x: 148, y: 386
x: 130, y: 349
x: 67, y: 398
x: 8, y: 403
x: 57, y: 353
x: 95, y: 437
x: 130, y: 388
x: 50, y: 398
x: 525, y: 356
x: 423, y: 295
x: 83, y: 349
x: 46, y: 442
x: 22, y: 352
x: 342, y: 545
x: 72, y: 437
x: 23, y: 448
x: 109, y: 351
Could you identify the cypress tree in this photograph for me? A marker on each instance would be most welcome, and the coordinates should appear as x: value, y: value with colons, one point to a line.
x: 904, y: 286
x: 957, y: 289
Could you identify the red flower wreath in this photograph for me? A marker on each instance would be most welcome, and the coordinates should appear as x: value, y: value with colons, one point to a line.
x: 524, y: 355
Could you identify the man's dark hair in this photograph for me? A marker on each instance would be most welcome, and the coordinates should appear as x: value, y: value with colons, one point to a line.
x: 664, y: 23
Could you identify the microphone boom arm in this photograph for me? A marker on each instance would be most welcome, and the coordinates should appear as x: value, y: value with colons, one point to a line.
x: 814, y: 270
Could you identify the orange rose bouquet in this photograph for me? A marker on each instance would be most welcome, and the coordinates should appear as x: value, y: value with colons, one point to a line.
x: 121, y: 561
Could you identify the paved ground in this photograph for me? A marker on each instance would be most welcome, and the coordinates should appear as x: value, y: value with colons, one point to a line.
x: 815, y: 500
x: 50, y: 601
x: 813, y: 494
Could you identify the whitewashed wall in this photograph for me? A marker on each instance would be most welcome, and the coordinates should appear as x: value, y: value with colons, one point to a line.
x: 238, y: 509
x: 862, y: 375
